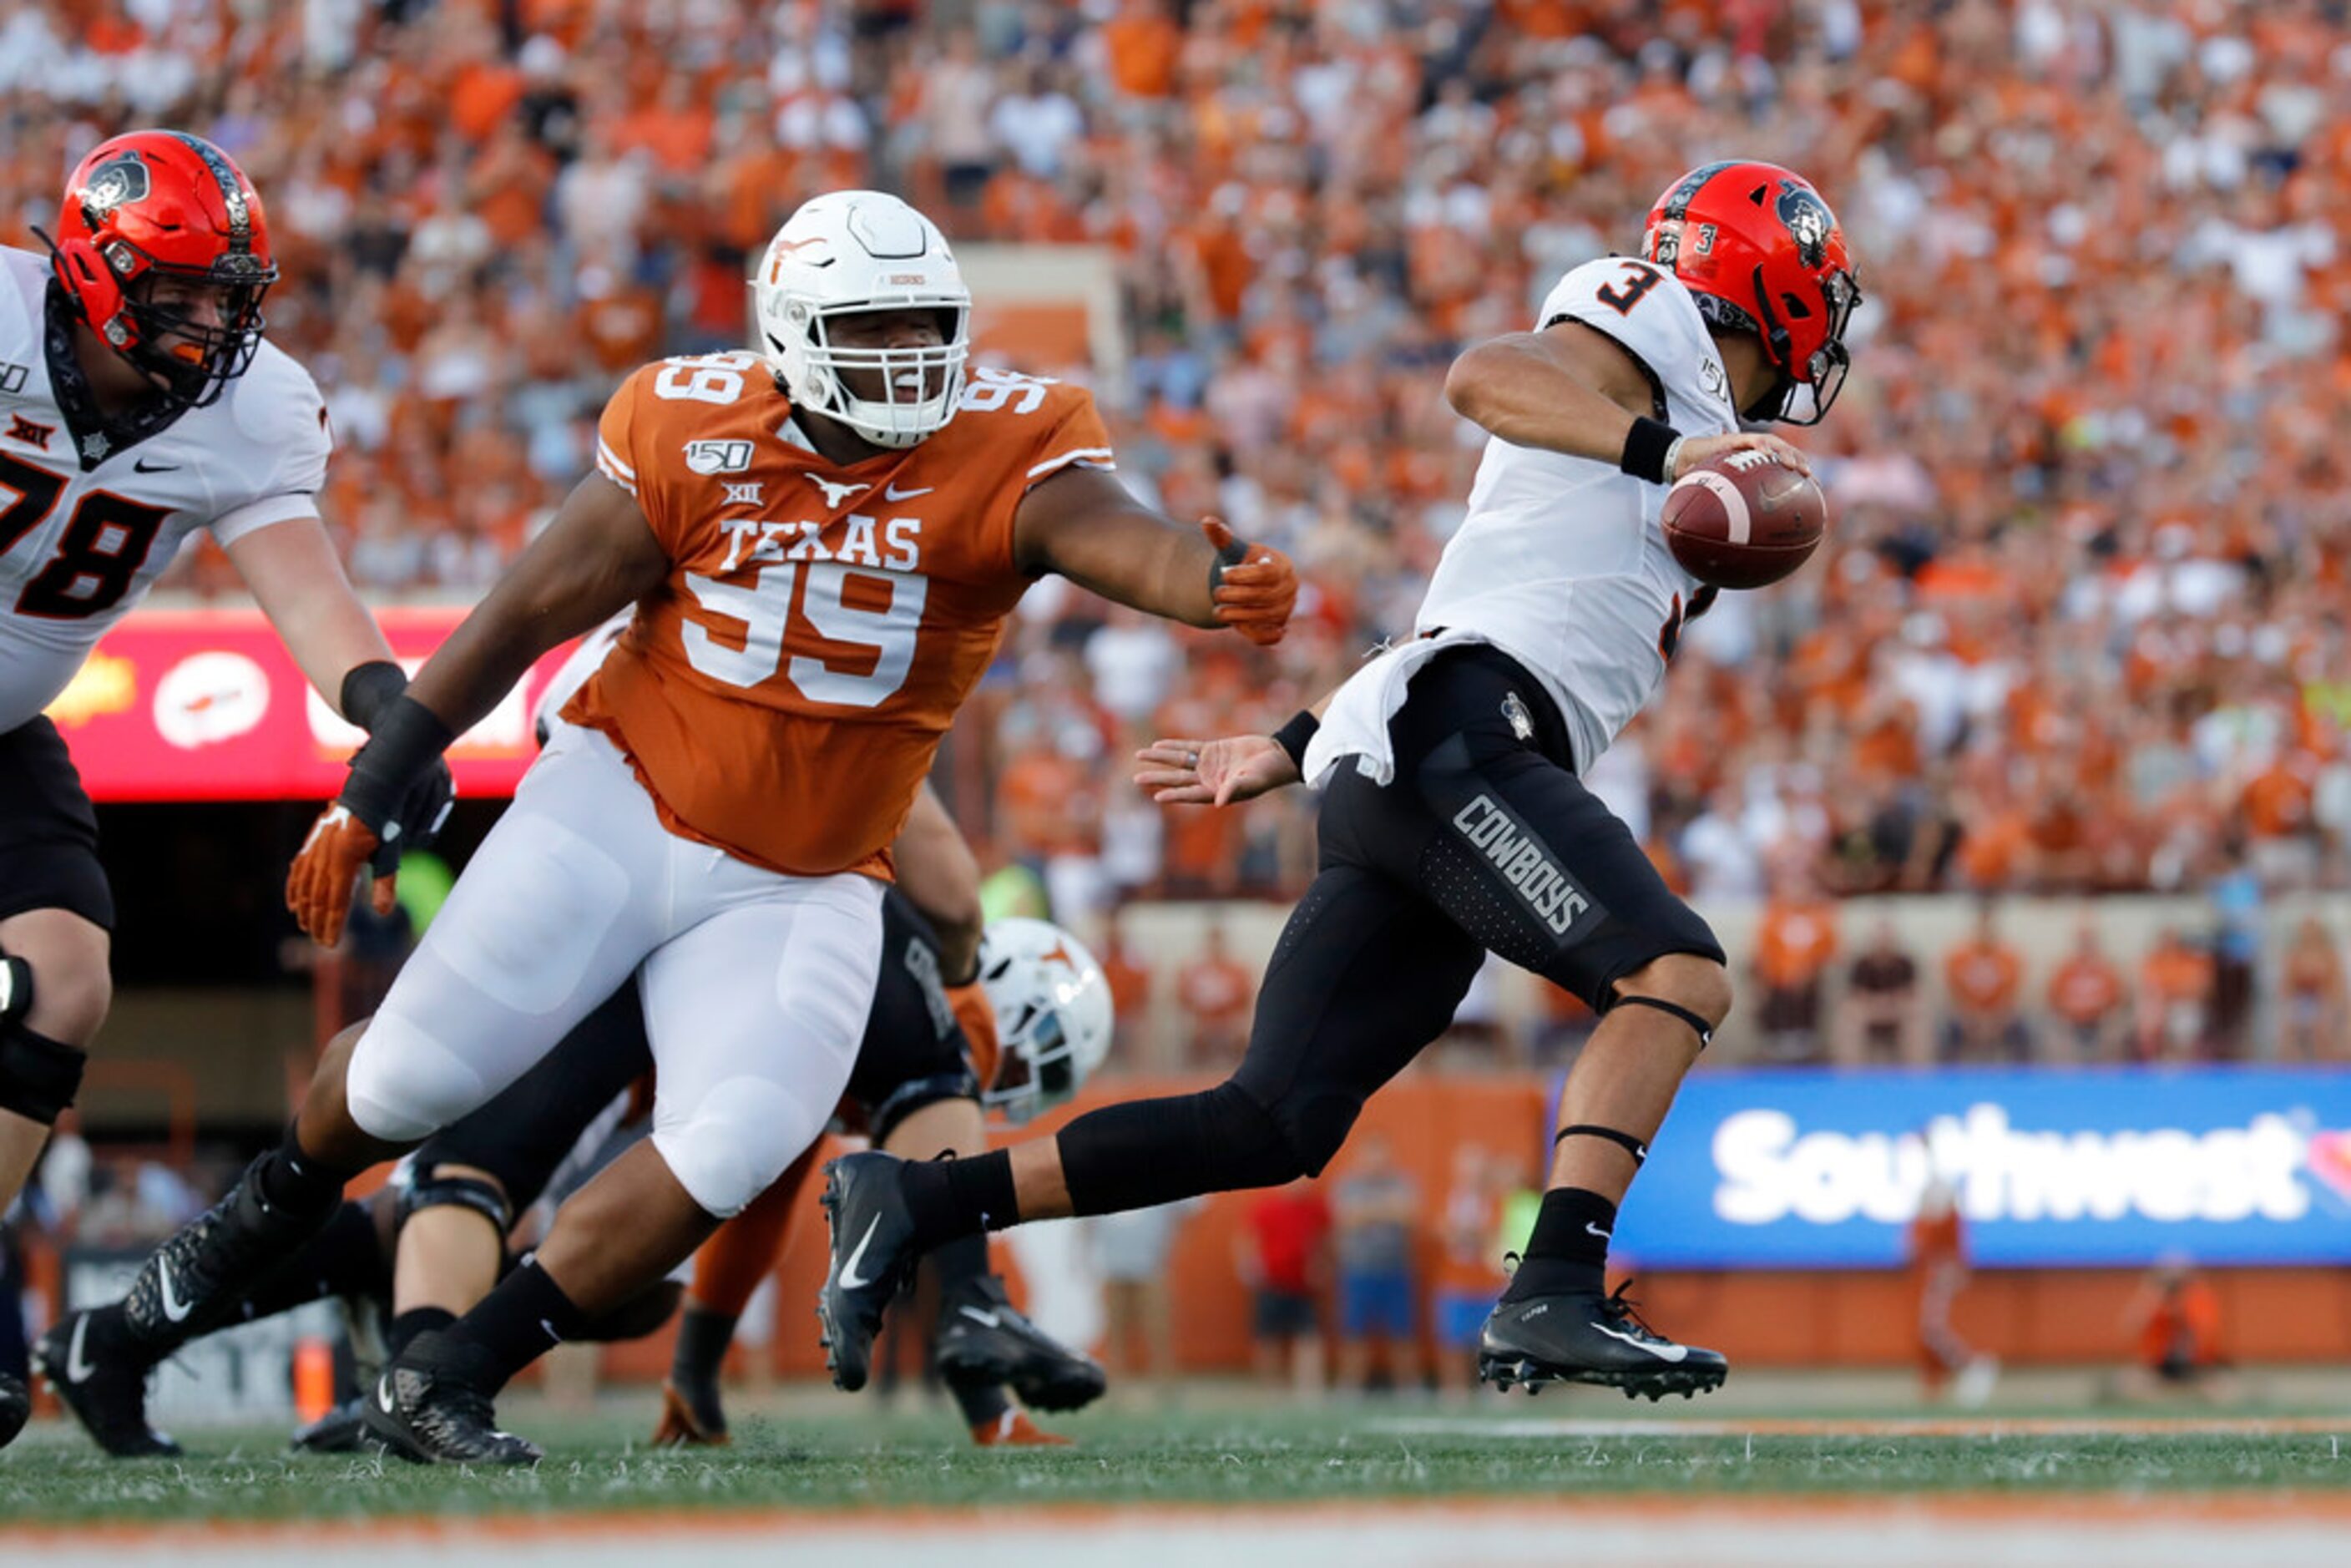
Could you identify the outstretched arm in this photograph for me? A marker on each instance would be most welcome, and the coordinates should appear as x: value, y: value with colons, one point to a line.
x: 1223, y: 772
x: 296, y: 578
x: 1083, y: 524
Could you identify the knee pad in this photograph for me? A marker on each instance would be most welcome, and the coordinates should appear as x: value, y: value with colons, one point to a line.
x: 403, y: 1085
x: 38, y: 1076
x: 428, y: 1188
x: 737, y: 1141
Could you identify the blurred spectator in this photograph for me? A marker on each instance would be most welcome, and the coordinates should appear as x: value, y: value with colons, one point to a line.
x: 1283, y: 1257
x: 1882, y: 1018
x: 1794, y: 944
x: 1216, y: 993
x: 2087, y: 1000
x: 2174, y: 1324
x: 1136, y: 1047
x: 2175, y: 997
x: 1469, y: 1265
x: 1377, y: 1209
x: 1938, y: 1250
x: 1132, y: 1251
x: 1983, y: 976
x: 2312, y: 1023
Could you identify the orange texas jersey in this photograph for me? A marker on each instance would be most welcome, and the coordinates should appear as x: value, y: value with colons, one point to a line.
x: 781, y: 692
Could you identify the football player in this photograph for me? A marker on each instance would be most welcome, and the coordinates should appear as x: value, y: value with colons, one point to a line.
x: 822, y: 540
x: 139, y: 405
x: 1454, y: 822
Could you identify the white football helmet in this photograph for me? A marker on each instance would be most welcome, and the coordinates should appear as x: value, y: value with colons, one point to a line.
x: 848, y: 251
x: 1052, y: 1014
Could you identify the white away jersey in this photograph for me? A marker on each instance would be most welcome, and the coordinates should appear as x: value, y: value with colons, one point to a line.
x: 1560, y: 562
x: 89, y: 516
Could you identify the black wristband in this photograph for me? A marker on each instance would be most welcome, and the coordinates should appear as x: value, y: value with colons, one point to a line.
x: 1295, y: 736
x: 1645, y: 446
x: 409, y: 739
x: 369, y: 689
x: 1233, y: 554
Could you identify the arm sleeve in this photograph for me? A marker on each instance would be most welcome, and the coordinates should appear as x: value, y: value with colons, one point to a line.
x: 280, y: 411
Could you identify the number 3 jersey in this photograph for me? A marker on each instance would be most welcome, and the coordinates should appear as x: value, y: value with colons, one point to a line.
x: 782, y: 693
x: 92, y: 512
x: 1562, y: 562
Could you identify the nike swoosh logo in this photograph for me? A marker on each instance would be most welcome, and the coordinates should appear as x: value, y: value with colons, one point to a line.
x: 850, y: 1279
x: 895, y: 494
x: 76, y: 1368
x: 144, y: 466
x: 990, y: 1319
x: 1595, y: 1230
x: 383, y: 1401
x: 173, y: 1308
x: 1675, y: 1352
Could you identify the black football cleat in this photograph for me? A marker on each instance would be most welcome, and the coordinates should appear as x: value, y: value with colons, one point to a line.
x: 1583, y: 1336
x: 982, y: 1336
x: 343, y: 1430
x: 16, y: 1408
x: 866, y: 1209
x: 424, y: 1408
x: 99, y: 1372
x: 197, y: 1280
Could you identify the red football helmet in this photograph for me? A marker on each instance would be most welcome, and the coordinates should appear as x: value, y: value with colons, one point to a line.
x: 1762, y: 254
x: 154, y: 205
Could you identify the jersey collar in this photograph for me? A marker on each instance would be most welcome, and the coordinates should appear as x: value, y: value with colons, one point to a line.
x: 95, y: 438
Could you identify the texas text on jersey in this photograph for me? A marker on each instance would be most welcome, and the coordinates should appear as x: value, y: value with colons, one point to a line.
x: 782, y: 693
x: 92, y: 512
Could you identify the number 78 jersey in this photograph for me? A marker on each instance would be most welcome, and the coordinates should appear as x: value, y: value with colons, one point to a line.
x: 782, y: 693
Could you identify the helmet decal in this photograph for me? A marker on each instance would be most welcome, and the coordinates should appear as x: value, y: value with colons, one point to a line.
x: 120, y: 179
x: 1808, y: 219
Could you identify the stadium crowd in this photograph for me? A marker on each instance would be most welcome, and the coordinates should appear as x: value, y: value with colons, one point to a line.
x: 2077, y: 628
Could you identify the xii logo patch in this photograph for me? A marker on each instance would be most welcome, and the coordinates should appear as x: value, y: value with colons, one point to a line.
x: 31, y: 435
x: 744, y: 493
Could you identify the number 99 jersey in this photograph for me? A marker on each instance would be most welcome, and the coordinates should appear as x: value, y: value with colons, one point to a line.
x: 781, y: 692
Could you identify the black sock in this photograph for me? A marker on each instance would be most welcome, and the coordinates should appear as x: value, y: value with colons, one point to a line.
x: 979, y: 1397
x: 522, y: 1319
x: 960, y: 1197
x: 1569, y: 1248
x: 702, y: 1336
x: 415, y: 1320
x: 959, y: 1264
x: 295, y: 1183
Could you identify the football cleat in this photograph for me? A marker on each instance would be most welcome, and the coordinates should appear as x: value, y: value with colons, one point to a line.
x: 690, y: 1418
x: 425, y: 1408
x: 1015, y: 1430
x: 1583, y: 1336
x: 16, y: 1408
x: 982, y: 1338
x: 99, y: 1374
x: 343, y: 1430
x: 193, y: 1283
x: 866, y: 1209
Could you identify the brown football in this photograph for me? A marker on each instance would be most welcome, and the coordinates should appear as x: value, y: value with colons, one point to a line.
x: 1744, y: 519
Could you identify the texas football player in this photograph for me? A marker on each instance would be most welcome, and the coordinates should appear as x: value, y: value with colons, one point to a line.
x: 823, y: 539
x: 143, y: 406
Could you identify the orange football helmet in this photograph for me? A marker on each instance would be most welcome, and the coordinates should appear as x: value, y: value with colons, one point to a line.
x: 1762, y: 254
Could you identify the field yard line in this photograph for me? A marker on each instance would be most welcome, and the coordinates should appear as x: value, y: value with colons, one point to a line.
x: 1848, y: 1427
x: 1771, y: 1532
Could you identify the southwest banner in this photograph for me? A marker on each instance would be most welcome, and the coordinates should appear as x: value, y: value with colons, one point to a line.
x: 207, y: 705
x: 1807, y: 1169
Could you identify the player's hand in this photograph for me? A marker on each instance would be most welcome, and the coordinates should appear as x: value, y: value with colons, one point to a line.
x: 1258, y: 587
x: 1213, y: 772
x: 319, y: 888
x: 424, y: 810
x: 1697, y: 449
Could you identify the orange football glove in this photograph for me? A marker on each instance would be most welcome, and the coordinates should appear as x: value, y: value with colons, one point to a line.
x: 977, y: 1016
x: 319, y: 888
x: 1256, y: 586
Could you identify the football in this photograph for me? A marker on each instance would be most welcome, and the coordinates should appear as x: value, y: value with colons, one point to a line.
x: 1744, y: 519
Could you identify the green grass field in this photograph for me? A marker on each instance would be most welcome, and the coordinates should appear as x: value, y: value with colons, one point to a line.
x: 811, y: 1451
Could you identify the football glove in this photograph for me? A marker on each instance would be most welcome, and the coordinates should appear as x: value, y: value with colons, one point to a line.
x: 1253, y: 587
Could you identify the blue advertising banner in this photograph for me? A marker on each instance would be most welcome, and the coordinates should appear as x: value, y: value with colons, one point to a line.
x: 1802, y: 1168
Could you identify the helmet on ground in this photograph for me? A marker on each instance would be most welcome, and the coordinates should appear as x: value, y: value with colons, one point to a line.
x: 1052, y: 1014
x: 1762, y: 254
x: 849, y: 252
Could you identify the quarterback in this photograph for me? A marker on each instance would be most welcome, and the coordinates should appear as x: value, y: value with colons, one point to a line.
x: 1453, y: 822
x: 140, y: 405
x: 822, y: 539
